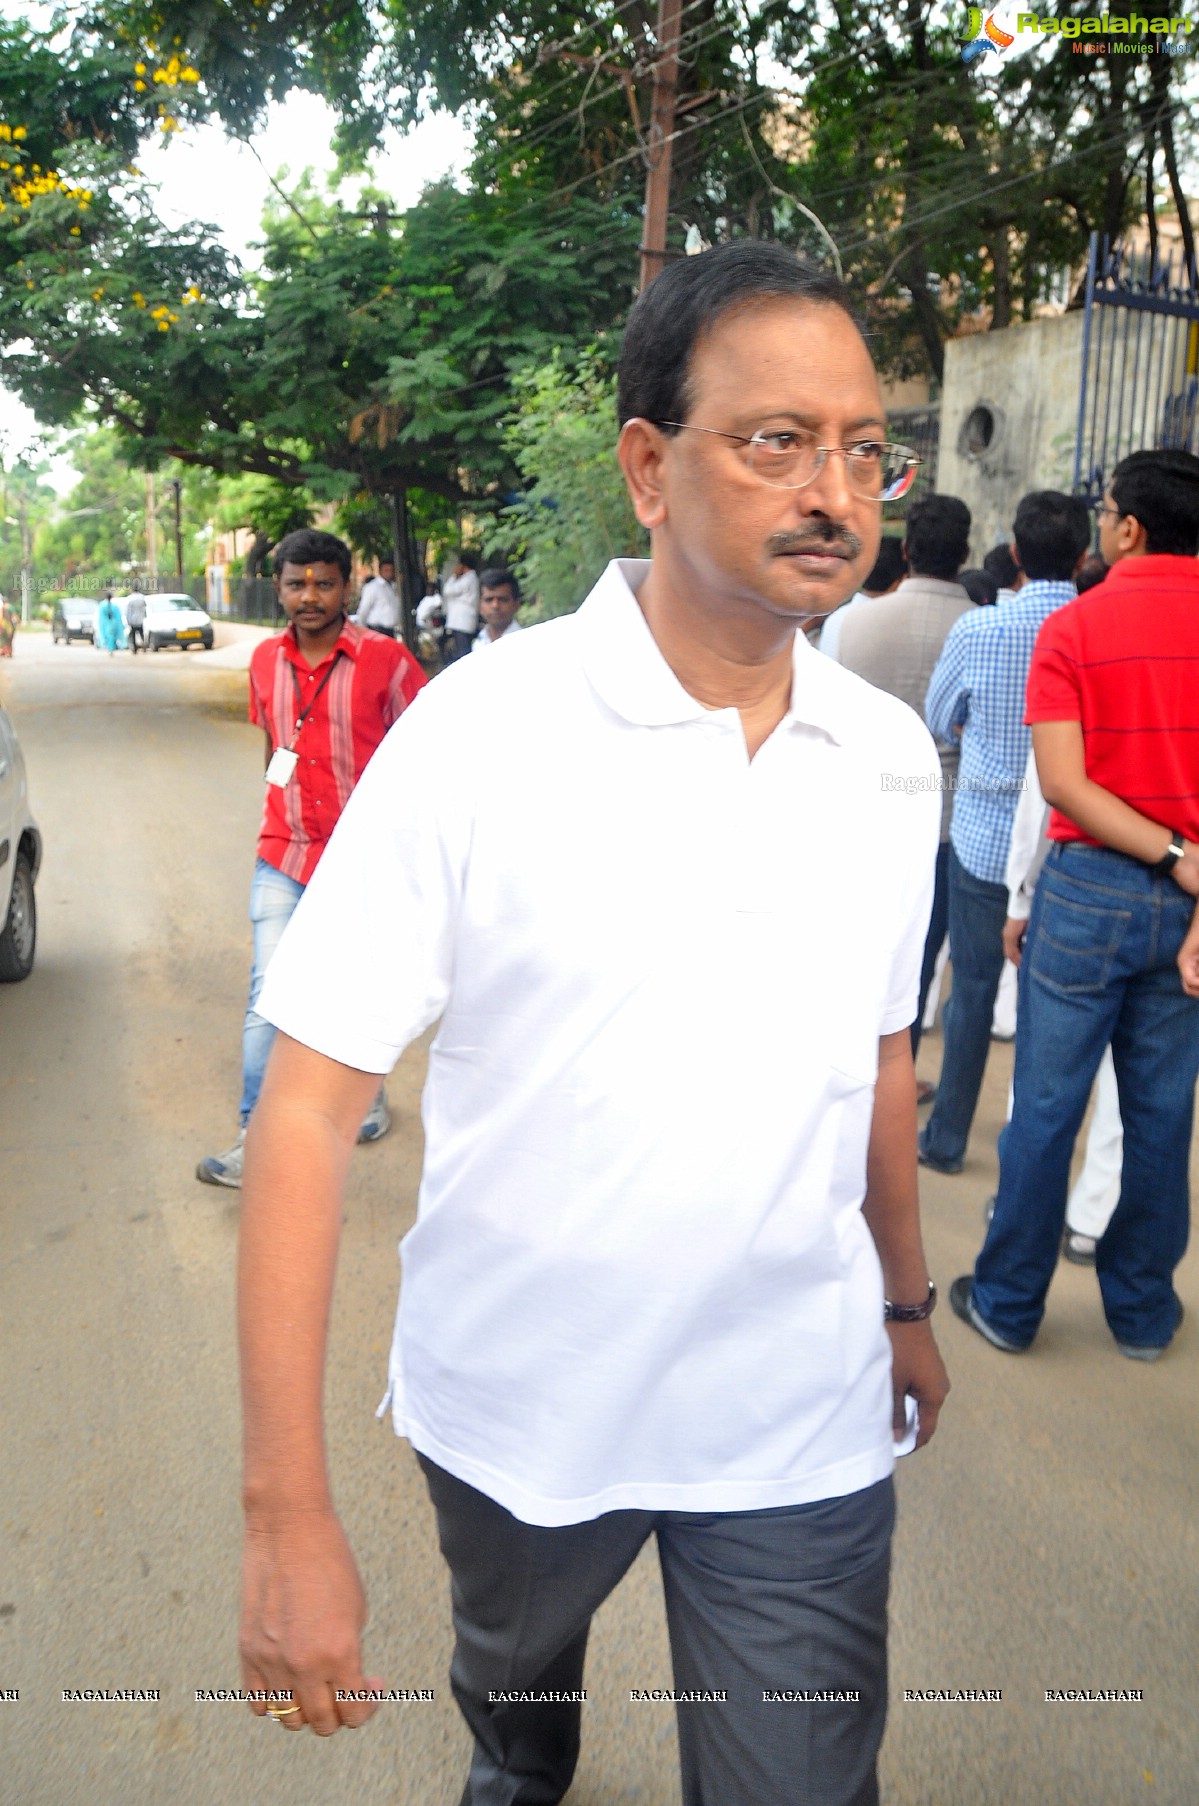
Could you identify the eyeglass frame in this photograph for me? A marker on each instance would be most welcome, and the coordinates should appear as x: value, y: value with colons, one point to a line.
x: 1099, y: 508
x: 822, y: 452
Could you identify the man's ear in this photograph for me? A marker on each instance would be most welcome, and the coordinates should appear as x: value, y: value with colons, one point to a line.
x: 641, y: 450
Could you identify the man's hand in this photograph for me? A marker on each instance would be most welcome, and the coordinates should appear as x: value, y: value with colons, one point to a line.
x: 1014, y: 931
x: 302, y: 1616
x: 1188, y: 959
x: 1186, y: 872
x: 917, y: 1371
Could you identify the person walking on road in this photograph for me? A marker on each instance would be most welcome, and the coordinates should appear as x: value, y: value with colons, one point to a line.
x: 110, y: 628
x: 1114, y: 710
x: 670, y: 1176
x: 460, y: 599
x: 325, y: 693
x: 135, y: 619
x: 379, y: 603
x: 976, y: 701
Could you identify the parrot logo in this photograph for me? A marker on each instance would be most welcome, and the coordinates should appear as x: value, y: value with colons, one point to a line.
x: 982, y: 37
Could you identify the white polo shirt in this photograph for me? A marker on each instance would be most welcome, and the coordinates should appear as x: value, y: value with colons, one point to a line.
x: 639, y: 1276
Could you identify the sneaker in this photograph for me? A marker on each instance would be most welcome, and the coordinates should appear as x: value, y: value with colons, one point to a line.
x: 1139, y: 1352
x: 1078, y: 1247
x: 961, y: 1298
x: 377, y: 1120
x: 937, y: 1165
x: 224, y: 1169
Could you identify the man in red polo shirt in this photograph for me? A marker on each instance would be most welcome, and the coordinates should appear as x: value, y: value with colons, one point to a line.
x: 1113, y: 701
x: 324, y: 692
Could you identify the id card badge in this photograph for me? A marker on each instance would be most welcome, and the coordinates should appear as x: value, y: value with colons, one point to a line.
x: 283, y: 764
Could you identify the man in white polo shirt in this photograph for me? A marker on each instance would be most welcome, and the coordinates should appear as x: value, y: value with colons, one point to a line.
x: 666, y: 1277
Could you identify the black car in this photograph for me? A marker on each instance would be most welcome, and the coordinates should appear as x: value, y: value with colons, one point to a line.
x: 74, y: 619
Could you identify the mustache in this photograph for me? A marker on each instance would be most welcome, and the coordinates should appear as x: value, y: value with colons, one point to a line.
x: 826, y: 536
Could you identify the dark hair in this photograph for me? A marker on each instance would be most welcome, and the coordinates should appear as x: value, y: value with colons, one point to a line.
x: 386, y: 558
x: 686, y: 301
x: 469, y: 559
x: 980, y: 586
x: 888, y: 567
x: 1051, y: 531
x: 308, y: 545
x: 496, y: 577
x: 1091, y: 571
x: 1000, y: 564
x: 1161, y: 490
x: 937, y: 536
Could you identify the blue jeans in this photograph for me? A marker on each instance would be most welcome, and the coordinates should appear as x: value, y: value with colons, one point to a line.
x: 977, y: 912
x: 273, y: 898
x: 1099, y: 965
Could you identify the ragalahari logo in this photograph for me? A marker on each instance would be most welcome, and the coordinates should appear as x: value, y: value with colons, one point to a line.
x: 982, y: 37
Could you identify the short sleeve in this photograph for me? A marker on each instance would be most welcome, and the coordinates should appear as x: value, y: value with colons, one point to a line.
x: 1053, y: 692
x: 365, y: 963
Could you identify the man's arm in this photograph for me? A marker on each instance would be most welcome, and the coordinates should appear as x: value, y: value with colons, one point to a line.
x: 947, y: 704
x: 892, y: 1211
x: 1061, y: 762
x: 303, y: 1608
x: 1188, y: 958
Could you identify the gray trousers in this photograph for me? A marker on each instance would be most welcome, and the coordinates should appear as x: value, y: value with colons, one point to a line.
x: 786, y: 1600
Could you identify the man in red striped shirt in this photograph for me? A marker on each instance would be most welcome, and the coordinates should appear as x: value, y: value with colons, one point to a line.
x: 324, y: 693
x: 1113, y: 701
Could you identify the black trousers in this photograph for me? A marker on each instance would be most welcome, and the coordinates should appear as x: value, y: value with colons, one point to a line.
x: 136, y: 635
x: 777, y: 1602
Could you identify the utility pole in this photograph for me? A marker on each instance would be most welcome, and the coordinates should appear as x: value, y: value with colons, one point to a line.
x: 177, y: 486
x: 660, y: 147
x: 151, y: 530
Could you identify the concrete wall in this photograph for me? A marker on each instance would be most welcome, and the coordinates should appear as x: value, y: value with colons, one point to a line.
x: 1025, y: 380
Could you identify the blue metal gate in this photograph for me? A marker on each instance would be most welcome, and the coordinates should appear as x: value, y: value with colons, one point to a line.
x: 1139, y: 387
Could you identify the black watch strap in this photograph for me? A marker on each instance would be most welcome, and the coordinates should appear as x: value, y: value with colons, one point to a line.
x: 910, y: 1313
x: 1169, y: 859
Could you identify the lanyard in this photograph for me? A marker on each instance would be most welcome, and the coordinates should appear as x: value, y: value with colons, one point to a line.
x: 312, y: 700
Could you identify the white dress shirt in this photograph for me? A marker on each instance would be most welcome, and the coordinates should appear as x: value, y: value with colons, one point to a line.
x: 460, y: 595
x: 640, y: 1276
x: 378, y: 605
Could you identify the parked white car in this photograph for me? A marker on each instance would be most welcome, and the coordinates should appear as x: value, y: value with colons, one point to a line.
x: 20, y: 857
x: 174, y: 620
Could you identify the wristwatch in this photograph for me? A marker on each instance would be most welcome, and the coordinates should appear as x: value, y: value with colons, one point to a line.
x: 910, y: 1313
x: 1169, y: 859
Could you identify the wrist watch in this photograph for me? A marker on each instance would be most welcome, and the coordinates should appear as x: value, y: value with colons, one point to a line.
x: 1169, y: 859
x: 910, y: 1313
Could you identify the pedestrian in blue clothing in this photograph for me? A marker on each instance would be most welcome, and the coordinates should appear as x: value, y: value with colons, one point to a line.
x: 976, y: 694
x: 110, y: 626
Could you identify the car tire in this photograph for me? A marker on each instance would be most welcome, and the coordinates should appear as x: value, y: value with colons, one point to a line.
x: 18, y: 939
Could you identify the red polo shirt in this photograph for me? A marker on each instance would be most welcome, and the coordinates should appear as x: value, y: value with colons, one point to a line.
x: 368, y: 681
x: 1124, y: 661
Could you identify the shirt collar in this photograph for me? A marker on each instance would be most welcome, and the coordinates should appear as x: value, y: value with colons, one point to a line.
x: 625, y: 666
x: 348, y: 641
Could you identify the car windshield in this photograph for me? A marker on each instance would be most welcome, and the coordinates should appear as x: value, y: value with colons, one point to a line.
x: 162, y: 603
x: 82, y: 605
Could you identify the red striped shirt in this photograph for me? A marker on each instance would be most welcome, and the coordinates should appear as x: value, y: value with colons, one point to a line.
x: 371, y: 681
x: 1124, y: 661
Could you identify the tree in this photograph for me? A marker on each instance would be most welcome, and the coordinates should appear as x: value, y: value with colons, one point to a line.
x: 575, y: 513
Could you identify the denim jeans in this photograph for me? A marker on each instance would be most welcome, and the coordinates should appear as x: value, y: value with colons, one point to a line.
x: 938, y: 923
x: 273, y: 898
x: 1099, y: 965
x: 977, y: 912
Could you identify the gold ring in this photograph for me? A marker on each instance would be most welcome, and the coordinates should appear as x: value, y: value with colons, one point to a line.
x: 274, y: 1711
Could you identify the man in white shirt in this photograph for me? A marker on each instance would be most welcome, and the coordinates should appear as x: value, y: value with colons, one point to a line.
x: 379, y: 603
x: 667, y: 1276
x: 499, y: 599
x: 460, y: 595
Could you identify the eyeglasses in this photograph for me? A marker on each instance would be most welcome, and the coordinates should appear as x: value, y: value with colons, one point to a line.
x: 1106, y: 508
x: 791, y: 458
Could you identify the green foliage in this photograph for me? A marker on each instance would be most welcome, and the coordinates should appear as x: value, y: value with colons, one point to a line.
x: 575, y: 512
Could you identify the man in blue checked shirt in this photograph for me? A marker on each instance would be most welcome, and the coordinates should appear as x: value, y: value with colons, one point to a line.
x: 977, y: 692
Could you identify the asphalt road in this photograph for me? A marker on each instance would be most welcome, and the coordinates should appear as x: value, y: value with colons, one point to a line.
x: 1047, y: 1539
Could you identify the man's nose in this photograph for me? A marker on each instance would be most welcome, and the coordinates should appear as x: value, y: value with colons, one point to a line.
x: 829, y: 492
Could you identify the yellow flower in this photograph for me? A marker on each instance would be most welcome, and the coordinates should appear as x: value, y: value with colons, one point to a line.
x: 164, y: 326
x: 5, y: 131
x: 74, y: 231
x: 18, y: 169
x: 139, y: 300
x: 160, y: 75
x: 139, y: 87
x: 189, y: 75
x: 19, y: 132
x: 139, y: 68
x: 97, y: 294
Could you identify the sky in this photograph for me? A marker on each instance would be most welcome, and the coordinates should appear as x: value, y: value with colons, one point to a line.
x: 204, y: 175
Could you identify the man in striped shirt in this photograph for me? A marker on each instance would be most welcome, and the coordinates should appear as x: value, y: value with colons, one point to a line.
x: 324, y: 693
x: 977, y: 693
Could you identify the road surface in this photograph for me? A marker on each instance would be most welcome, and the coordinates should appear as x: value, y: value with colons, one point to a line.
x: 1047, y: 1538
